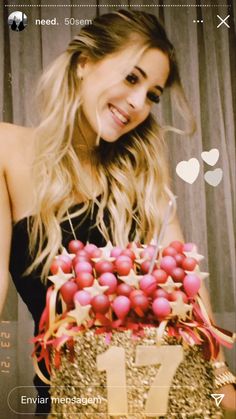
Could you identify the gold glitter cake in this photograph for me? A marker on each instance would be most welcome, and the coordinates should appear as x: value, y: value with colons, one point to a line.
x: 168, y: 380
x: 123, y: 334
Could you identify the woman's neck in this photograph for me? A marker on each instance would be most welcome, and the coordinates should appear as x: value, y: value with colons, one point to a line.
x: 84, y: 138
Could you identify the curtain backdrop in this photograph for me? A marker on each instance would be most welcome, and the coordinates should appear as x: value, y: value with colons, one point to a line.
x: 206, y: 56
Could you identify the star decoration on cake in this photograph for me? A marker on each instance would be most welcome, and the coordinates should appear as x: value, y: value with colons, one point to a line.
x: 153, y: 242
x: 180, y: 309
x: 60, y: 278
x: 80, y: 313
x: 140, y: 261
x: 169, y: 286
x: 106, y: 251
x: 96, y: 288
x: 195, y: 255
x: 132, y: 279
x: 141, y: 249
x: 136, y: 249
x: 201, y: 275
x: 62, y: 330
x: 65, y: 253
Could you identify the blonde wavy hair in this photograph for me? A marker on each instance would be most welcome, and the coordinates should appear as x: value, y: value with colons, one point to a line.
x: 131, y: 172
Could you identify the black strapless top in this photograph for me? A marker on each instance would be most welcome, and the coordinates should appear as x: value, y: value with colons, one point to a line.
x: 30, y: 288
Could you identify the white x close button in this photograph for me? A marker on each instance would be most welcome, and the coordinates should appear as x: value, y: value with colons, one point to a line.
x: 223, y: 21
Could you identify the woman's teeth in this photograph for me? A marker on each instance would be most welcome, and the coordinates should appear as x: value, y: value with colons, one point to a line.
x: 121, y: 117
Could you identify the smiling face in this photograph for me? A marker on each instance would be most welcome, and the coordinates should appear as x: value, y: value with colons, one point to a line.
x: 125, y: 104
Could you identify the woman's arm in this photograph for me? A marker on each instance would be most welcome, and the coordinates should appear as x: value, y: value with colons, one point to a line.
x: 173, y: 232
x: 5, y: 222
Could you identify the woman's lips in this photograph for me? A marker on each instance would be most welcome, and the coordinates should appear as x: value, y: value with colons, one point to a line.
x: 120, y: 117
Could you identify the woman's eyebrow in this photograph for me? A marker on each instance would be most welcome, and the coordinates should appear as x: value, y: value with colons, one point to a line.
x: 145, y: 77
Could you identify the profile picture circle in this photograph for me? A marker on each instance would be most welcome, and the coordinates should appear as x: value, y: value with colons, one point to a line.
x: 17, y: 21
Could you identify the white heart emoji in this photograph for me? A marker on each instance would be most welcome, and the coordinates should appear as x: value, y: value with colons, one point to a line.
x: 213, y: 177
x: 211, y: 156
x: 188, y: 170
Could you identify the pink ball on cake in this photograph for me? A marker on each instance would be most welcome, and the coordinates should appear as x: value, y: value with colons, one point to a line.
x: 116, y: 251
x: 83, y: 267
x: 148, y: 284
x: 80, y: 258
x: 140, y: 302
x: 148, y: 252
x: 176, y: 294
x: 179, y: 258
x: 134, y: 293
x: 192, y: 284
x: 100, y: 303
x: 161, y: 307
x: 65, y: 265
x: 189, y: 264
x: 177, y: 245
x: 124, y: 289
x: 84, y: 279
x: 83, y: 297
x: 168, y: 263
x: 68, y: 291
x: 123, y: 265
x: 189, y: 247
x: 92, y: 250
x: 159, y: 292
x: 109, y: 279
x: 121, y: 306
x: 145, y: 266
x: 160, y: 275
x: 178, y: 274
x: 169, y: 251
x: 75, y: 245
x: 104, y: 266
x: 129, y: 253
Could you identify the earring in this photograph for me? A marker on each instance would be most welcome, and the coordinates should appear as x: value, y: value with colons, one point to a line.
x: 79, y: 73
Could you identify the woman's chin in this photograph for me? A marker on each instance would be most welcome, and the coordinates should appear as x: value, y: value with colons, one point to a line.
x: 110, y: 138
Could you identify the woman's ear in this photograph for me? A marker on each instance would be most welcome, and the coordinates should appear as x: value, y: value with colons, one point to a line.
x: 82, y: 67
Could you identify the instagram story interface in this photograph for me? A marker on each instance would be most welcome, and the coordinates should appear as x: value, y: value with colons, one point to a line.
x: 117, y: 182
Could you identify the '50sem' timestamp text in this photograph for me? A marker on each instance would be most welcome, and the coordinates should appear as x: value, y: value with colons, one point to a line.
x: 73, y: 21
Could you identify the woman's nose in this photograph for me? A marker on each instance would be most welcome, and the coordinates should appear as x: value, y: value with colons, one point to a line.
x: 136, y: 99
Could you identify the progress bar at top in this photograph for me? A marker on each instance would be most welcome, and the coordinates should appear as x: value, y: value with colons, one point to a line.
x: 117, y: 5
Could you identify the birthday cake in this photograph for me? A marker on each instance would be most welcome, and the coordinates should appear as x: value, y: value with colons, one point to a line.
x: 125, y: 333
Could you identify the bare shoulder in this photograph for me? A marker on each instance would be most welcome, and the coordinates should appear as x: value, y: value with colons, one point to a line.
x: 15, y: 142
x: 12, y: 131
x: 16, y: 157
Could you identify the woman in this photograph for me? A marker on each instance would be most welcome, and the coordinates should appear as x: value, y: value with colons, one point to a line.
x: 97, y: 153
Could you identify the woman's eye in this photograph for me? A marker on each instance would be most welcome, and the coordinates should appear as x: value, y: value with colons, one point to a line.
x: 153, y: 97
x: 132, y: 78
